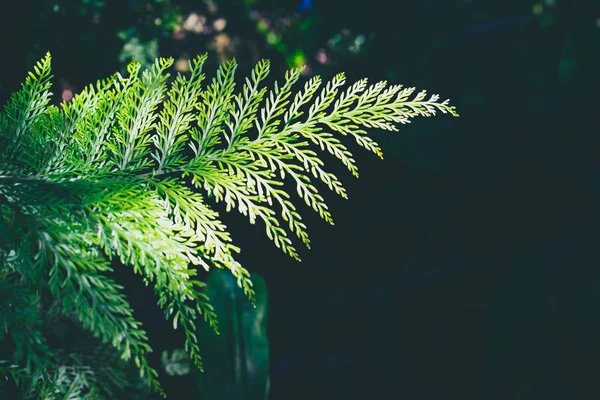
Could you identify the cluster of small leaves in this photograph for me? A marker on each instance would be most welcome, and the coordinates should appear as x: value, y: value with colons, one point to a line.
x: 119, y: 171
x: 78, y: 367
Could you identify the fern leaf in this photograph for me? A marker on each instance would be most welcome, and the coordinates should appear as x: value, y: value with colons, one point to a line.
x: 177, y: 115
x: 119, y: 171
x: 25, y: 106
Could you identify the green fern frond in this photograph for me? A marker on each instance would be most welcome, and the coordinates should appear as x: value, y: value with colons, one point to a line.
x: 25, y: 107
x: 119, y: 170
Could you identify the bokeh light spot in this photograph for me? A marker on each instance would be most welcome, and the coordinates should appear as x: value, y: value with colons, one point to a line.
x: 181, y: 65
x: 298, y: 58
x: 322, y: 56
x: 67, y: 94
x: 273, y: 38
x: 219, y: 24
x: 194, y: 23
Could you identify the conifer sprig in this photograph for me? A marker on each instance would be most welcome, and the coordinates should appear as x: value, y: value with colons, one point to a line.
x: 119, y: 170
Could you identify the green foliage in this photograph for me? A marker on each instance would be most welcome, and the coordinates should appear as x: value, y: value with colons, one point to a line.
x: 239, y: 355
x: 117, y: 173
x: 177, y: 363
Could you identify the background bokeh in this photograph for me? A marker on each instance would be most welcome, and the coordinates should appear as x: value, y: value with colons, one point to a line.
x: 465, y: 264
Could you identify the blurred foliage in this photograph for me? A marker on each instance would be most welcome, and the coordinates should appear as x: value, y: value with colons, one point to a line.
x: 178, y: 363
x: 145, y: 29
x: 237, y: 359
x: 86, y: 367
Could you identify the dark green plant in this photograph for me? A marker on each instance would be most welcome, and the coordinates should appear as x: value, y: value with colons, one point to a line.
x: 239, y: 355
x: 115, y: 173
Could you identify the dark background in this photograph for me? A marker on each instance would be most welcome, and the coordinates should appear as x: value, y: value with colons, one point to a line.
x: 465, y: 264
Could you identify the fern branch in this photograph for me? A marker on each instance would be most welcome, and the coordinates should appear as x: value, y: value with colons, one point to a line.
x: 25, y: 106
x: 109, y: 174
